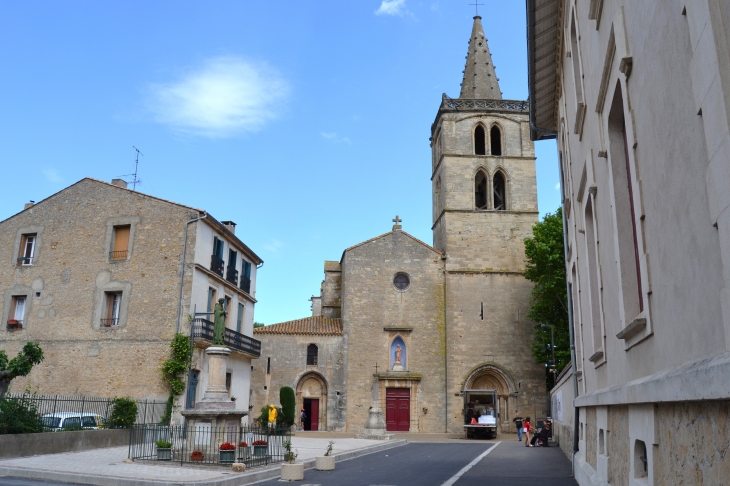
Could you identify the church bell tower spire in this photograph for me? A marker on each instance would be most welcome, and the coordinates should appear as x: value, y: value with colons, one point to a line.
x: 480, y: 79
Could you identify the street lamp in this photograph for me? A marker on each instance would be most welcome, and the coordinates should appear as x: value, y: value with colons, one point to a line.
x: 552, y: 342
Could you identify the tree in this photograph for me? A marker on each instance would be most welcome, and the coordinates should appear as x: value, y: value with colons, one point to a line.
x: 30, y: 355
x: 288, y: 404
x: 545, y: 266
x: 258, y: 324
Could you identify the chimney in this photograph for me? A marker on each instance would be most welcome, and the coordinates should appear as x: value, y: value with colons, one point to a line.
x: 230, y: 225
x: 28, y: 205
x: 119, y: 183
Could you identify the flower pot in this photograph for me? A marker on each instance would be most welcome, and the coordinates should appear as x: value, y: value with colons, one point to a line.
x: 164, y: 454
x: 292, y: 472
x: 260, y: 450
x: 325, y: 463
x: 228, y: 457
x: 196, y: 458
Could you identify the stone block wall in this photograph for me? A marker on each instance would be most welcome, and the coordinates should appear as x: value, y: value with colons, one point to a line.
x: 619, y: 460
x: 374, y: 312
x: 65, y: 288
x: 591, y: 437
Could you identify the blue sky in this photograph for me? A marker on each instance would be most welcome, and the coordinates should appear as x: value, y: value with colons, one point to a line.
x: 305, y: 122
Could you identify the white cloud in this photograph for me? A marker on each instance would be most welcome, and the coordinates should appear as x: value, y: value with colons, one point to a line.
x: 392, y: 7
x: 223, y: 97
x: 333, y: 136
x: 557, y: 186
x: 273, y: 246
x: 52, y: 175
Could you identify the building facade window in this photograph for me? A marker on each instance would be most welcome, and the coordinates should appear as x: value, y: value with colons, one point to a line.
x: 112, y: 307
x: 625, y: 212
x: 232, y: 272
x: 574, y: 54
x: 495, y: 140
x: 246, y: 276
x: 211, y: 300
x: 480, y: 190
x: 480, y: 141
x: 216, y: 260
x: 120, y: 242
x: 499, y: 191
x: 593, y: 275
x: 27, y: 249
x: 16, y: 316
x: 312, y: 355
x: 239, y: 319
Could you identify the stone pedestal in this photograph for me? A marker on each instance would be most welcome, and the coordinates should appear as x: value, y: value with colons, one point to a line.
x: 215, y: 419
x: 375, y: 425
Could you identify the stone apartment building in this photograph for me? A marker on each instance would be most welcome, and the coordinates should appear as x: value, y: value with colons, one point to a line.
x: 429, y: 327
x: 637, y: 95
x: 103, y: 277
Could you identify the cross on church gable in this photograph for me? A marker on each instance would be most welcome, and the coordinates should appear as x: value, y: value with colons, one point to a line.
x: 397, y: 219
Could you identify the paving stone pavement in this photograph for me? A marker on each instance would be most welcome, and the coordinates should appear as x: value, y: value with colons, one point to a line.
x: 109, y: 463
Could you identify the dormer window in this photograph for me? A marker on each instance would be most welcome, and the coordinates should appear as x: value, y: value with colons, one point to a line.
x: 480, y: 141
x: 495, y: 139
x: 27, y: 249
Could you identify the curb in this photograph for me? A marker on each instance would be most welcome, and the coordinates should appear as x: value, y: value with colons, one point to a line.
x: 245, y: 478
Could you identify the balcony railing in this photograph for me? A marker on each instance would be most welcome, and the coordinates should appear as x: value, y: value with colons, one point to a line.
x: 203, y: 330
x: 25, y: 261
x: 113, y: 322
x: 118, y: 254
x: 216, y: 264
x: 246, y: 284
x: 232, y: 275
x: 15, y: 324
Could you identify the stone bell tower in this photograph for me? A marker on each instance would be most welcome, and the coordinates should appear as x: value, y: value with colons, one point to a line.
x: 484, y: 205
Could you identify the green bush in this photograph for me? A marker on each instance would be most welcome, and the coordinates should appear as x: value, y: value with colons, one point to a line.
x: 178, y: 363
x: 163, y: 444
x: 123, y: 413
x: 263, y: 419
x: 288, y: 404
x: 19, y: 416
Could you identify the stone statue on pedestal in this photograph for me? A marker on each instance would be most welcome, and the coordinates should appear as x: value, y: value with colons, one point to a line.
x: 219, y: 324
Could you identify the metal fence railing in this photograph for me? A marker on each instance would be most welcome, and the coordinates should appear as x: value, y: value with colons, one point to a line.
x: 202, y: 444
x: 92, y: 411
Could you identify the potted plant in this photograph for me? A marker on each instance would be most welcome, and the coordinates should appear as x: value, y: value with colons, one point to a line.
x: 196, y: 456
x: 327, y: 461
x: 227, y: 453
x: 243, y: 451
x: 14, y: 324
x: 259, y: 447
x: 291, y: 471
x: 164, y: 450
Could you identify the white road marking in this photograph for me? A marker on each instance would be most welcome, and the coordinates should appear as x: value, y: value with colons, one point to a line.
x: 464, y: 469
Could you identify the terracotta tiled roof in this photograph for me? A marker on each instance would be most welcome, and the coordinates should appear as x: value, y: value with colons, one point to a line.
x: 315, y: 325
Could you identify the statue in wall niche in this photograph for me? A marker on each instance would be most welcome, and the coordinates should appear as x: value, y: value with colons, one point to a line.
x: 219, y: 324
x: 398, y: 351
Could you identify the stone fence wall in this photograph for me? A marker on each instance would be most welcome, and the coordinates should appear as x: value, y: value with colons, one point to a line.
x: 22, y: 445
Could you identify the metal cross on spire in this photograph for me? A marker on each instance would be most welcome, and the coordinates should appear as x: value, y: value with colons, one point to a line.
x: 397, y: 219
x: 476, y: 6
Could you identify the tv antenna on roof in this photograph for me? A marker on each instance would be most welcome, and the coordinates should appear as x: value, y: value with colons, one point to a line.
x: 134, y: 180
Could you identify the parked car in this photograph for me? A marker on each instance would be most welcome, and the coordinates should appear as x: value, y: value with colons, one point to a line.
x: 64, y: 420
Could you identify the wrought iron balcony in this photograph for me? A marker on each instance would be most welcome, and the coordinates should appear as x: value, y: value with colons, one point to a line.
x: 15, y: 324
x: 232, y: 275
x: 118, y: 254
x: 246, y: 284
x: 113, y: 322
x: 203, y: 331
x: 216, y: 265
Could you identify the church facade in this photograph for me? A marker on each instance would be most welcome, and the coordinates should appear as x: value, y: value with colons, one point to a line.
x: 421, y: 330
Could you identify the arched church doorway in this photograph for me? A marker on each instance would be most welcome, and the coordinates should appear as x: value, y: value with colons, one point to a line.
x: 488, y: 386
x: 312, y: 398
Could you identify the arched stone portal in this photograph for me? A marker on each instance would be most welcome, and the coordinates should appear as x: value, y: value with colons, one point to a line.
x: 491, y: 377
x: 312, y: 396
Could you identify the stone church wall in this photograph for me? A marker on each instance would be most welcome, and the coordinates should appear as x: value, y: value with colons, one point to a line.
x: 374, y: 311
x: 288, y: 355
x: 65, y: 282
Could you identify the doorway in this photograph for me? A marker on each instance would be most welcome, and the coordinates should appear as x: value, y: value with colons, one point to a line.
x: 398, y: 409
x: 311, y: 408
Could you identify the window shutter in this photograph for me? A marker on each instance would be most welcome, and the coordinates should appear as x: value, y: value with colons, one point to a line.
x: 246, y: 269
x: 239, y: 322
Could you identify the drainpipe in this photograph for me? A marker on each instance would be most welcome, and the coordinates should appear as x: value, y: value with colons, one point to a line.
x: 182, y: 271
x: 544, y: 133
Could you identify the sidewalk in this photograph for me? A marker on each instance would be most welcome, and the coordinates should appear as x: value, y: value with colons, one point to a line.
x: 107, y: 467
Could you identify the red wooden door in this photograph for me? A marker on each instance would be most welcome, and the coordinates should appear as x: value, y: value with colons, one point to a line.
x: 398, y: 409
x: 314, y: 418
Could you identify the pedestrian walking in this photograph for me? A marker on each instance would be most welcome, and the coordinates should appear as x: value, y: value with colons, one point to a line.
x: 518, y: 423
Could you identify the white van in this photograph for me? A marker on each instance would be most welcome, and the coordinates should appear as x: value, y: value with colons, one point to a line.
x: 63, y: 420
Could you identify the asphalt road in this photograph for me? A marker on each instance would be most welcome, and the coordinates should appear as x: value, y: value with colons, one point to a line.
x: 433, y: 464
